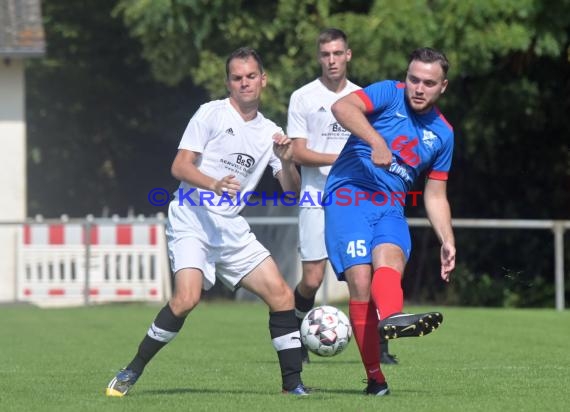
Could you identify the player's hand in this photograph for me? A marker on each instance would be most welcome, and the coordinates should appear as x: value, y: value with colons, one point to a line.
x: 282, y: 147
x: 381, y: 156
x: 228, y: 184
x: 447, y: 260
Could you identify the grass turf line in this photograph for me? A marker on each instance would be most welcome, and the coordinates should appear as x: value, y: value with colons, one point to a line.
x: 479, y: 360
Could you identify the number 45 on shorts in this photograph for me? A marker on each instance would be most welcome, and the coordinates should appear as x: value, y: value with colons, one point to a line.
x: 356, y: 248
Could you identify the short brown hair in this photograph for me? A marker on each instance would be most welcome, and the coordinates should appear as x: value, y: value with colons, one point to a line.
x: 328, y: 35
x: 429, y: 55
x: 243, y: 53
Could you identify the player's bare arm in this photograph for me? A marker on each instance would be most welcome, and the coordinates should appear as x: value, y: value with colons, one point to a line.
x: 184, y: 169
x: 304, y: 156
x: 288, y: 176
x: 439, y: 215
x: 350, y: 113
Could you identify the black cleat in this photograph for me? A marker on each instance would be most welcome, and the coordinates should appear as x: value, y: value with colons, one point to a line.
x: 402, y: 325
x: 376, y: 389
x: 388, y: 359
x: 299, y: 390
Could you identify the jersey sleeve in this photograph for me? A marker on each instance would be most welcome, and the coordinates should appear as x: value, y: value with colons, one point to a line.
x: 296, y: 119
x: 442, y: 163
x: 197, y: 133
x: 378, y: 96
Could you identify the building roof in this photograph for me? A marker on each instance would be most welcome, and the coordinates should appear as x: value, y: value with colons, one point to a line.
x: 21, y: 28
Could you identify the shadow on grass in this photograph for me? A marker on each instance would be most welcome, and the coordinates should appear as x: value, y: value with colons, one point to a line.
x: 202, y: 391
x: 317, y: 361
x: 199, y: 391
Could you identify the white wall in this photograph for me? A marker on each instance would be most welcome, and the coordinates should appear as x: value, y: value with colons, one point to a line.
x: 12, y: 169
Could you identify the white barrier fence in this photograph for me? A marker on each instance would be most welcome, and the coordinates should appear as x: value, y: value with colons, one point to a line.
x: 89, y: 262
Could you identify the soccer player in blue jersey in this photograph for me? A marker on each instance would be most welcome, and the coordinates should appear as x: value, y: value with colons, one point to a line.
x: 397, y: 133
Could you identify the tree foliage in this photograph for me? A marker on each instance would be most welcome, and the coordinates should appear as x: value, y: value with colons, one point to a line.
x: 101, y: 129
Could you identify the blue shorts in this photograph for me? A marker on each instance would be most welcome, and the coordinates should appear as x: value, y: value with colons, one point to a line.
x: 354, y: 226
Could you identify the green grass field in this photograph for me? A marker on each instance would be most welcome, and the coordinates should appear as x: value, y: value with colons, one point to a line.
x: 479, y: 360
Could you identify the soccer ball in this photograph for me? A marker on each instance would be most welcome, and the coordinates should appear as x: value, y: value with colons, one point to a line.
x: 326, y: 331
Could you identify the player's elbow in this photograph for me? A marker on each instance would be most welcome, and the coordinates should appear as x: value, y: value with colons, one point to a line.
x: 297, y: 158
x: 176, y: 169
x: 298, y: 151
x: 336, y: 108
x: 182, y: 164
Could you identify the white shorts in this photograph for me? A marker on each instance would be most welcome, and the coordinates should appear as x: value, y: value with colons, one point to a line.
x: 219, y: 246
x: 312, y: 234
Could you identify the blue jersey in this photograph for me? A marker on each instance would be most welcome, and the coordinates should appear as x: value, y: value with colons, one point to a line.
x: 419, y: 142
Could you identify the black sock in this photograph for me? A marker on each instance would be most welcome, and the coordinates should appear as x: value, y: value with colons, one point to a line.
x: 164, y: 328
x: 286, y: 340
x: 383, y: 345
x: 302, y: 305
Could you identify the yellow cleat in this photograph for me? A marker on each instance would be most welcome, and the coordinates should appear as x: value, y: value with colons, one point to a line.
x: 114, y: 393
x: 122, y: 383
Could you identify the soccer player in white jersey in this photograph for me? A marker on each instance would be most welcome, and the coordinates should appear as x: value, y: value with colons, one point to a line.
x: 223, y: 153
x: 317, y: 140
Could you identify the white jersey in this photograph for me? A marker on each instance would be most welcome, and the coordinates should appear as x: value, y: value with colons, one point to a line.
x: 310, y: 117
x: 228, y: 145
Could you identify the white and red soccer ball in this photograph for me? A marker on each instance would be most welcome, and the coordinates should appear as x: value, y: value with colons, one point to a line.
x: 326, y: 331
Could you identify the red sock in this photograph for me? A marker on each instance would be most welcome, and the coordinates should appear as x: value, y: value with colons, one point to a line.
x: 364, y: 321
x: 386, y: 291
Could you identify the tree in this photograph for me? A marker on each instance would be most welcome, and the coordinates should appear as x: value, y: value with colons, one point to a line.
x: 102, y: 131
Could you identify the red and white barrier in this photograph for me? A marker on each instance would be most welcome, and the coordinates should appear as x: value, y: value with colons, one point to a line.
x: 126, y: 262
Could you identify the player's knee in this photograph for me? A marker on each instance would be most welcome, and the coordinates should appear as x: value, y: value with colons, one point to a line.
x: 312, y: 283
x: 282, y: 298
x: 183, y: 303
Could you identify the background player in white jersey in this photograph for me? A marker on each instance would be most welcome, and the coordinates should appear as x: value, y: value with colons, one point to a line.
x: 317, y: 140
x: 224, y: 151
